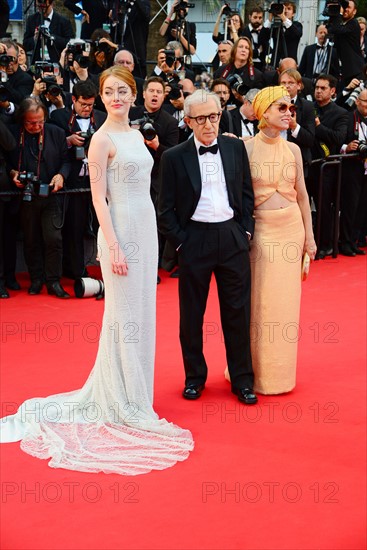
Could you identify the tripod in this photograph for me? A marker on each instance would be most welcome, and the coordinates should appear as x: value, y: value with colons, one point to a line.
x: 276, y: 34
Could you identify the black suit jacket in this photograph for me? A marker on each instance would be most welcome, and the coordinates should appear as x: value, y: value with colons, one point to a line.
x: 262, y: 45
x: 54, y: 158
x: 289, y: 39
x: 98, y: 15
x: 19, y: 85
x: 308, y: 59
x: 231, y: 122
x: 4, y: 17
x: 348, y: 47
x: 61, y: 118
x: 7, y: 143
x: 331, y: 131
x: 305, y: 116
x: 180, y: 187
x: 60, y: 28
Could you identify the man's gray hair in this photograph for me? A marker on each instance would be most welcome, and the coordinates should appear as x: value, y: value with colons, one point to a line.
x: 123, y: 50
x: 175, y: 45
x: 198, y: 97
x: 251, y: 94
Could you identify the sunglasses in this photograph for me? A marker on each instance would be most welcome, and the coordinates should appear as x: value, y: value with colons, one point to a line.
x: 284, y: 107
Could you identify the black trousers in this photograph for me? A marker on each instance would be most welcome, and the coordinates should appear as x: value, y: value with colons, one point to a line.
x: 353, y: 183
x: 75, y: 225
x: 220, y: 249
x: 41, y: 222
x: 9, y: 221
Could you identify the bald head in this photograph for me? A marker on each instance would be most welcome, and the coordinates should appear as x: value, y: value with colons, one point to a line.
x: 124, y: 58
x: 287, y: 63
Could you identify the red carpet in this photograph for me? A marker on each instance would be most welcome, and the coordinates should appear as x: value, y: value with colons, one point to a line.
x: 286, y: 474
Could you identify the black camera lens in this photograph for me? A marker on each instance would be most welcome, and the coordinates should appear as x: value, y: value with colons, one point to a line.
x: 83, y: 61
x: 5, y: 60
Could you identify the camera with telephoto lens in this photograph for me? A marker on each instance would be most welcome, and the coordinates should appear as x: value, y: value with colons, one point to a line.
x: 176, y: 88
x: 74, y: 52
x: 28, y: 179
x: 52, y: 87
x: 236, y: 83
x: 81, y: 151
x: 145, y: 126
x: 102, y: 46
x: 354, y: 95
x: 5, y: 60
x: 41, y: 67
x: 170, y: 57
x: 332, y: 8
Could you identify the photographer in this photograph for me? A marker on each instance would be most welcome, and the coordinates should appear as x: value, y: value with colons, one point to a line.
x: 171, y: 64
x: 346, y: 31
x: 354, y: 176
x: 316, y: 58
x: 164, y: 124
x: 233, y: 24
x: 9, y: 207
x: 56, y: 29
x: 79, y: 123
x: 74, y: 61
x: 95, y: 14
x: 240, y: 71
x: 330, y: 133
x: 102, y: 52
x: 39, y: 167
x: 175, y: 27
x: 258, y: 35
x: 289, y: 32
x: 17, y: 84
x: 47, y: 88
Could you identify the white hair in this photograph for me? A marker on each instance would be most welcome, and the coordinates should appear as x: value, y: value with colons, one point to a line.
x: 198, y: 97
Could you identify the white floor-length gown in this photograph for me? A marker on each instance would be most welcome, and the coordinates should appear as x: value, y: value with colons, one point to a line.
x: 109, y: 424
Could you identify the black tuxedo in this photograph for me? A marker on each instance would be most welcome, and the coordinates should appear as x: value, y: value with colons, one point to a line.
x: 231, y: 122
x: 348, y: 46
x: 354, y: 182
x: 329, y: 137
x: 97, y: 11
x: 306, y: 65
x: 79, y: 211
x: 305, y: 116
x: 60, y: 28
x: 288, y: 41
x: 262, y: 44
x: 207, y: 248
x: 19, y: 85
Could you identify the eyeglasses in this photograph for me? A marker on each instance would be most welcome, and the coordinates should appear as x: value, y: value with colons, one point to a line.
x: 122, y: 62
x: 201, y: 119
x: 284, y: 107
x: 225, y: 42
x: 85, y: 105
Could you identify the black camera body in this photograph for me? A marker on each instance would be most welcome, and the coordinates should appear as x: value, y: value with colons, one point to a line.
x: 4, y: 94
x: 145, y: 127
x: 228, y: 11
x: 332, y: 7
x: 237, y: 84
x: 52, y: 87
x: 176, y: 89
x: 170, y: 57
x: 182, y: 6
x: 276, y: 8
x: 102, y: 46
x: 81, y: 150
x: 41, y: 67
x: 74, y: 52
x: 28, y: 179
x: 6, y: 59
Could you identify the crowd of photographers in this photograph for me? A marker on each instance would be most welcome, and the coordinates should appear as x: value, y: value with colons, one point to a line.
x: 50, y: 108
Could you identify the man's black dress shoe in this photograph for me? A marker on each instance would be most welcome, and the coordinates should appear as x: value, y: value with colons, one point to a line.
x: 3, y: 292
x: 12, y: 284
x: 346, y: 250
x: 35, y: 288
x: 324, y: 252
x: 175, y: 274
x: 193, y: 391
x: 56, y: 290
x: 245, y: 395
x: 358, y: 251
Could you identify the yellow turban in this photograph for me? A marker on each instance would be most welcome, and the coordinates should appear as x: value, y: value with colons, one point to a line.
x: 266, y: 97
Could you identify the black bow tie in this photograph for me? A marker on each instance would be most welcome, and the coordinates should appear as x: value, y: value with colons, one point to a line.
x: 318, y: 47
x: 212, y: 149
x: 246, y: 120
x: 255, y: 31
x: 47, y: 19
x: 78, y: 117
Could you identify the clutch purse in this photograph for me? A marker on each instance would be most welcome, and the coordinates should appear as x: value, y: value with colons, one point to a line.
x: 306, y: 262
